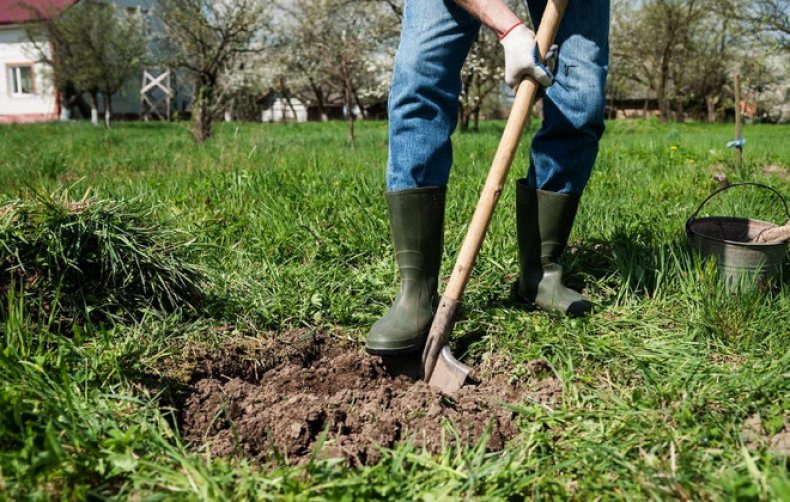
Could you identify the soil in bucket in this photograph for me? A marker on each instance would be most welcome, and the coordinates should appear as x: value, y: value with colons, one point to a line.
x: 747, y: 251
x: 253, y: 402
x: 732, y: 229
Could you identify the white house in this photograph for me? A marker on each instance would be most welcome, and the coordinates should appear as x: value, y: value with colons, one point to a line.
x: 26, y: 91
x: 278, y: 109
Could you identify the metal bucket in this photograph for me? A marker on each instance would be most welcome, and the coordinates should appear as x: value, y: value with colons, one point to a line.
x: 729, y: 240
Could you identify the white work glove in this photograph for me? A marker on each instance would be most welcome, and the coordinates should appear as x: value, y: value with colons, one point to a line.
x: 522, y: 57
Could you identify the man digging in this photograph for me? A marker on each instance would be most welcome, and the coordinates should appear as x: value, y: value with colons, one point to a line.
x: 436, y: 36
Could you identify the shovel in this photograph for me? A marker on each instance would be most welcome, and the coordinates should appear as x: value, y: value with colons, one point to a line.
x: 440, y: 368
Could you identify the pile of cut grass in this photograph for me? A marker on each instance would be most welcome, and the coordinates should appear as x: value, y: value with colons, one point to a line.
x: 95, y: 259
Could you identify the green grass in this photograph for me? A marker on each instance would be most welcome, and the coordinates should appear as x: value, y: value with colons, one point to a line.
x: 112, y: 256
x: 289, y: 225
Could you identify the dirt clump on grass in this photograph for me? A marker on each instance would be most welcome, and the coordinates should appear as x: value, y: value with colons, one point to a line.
x: 773, y: 434
x: 777, y: 170
x: 326, y: 399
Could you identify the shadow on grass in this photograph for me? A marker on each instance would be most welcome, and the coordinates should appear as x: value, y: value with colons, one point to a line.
x: 639, y: 262
x: 462, y: 341
x: 636, y: 260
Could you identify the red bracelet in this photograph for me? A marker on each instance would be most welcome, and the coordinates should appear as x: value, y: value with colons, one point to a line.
x: 510, y: 29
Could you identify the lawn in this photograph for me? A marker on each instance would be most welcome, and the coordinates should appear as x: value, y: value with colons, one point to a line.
x: 673, y: 388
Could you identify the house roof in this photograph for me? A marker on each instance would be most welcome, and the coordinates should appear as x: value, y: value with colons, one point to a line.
x: 25, y: 11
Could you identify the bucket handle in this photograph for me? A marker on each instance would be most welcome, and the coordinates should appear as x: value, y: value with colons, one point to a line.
x: 717, y: 192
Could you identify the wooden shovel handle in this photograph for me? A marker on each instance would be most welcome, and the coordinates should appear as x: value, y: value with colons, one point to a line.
x: 514, y: 128
x: 526, y: 93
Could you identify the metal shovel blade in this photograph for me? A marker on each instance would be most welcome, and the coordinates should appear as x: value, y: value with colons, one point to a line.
x: 449, y: 374
x: 440, y: 368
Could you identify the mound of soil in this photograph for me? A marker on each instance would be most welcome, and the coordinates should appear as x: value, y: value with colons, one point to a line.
x: 323, y: 392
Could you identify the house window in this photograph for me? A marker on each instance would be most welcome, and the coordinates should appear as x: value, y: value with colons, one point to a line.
x: 20, y: 80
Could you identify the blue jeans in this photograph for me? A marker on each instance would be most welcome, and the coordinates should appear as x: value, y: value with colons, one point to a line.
x: 436, y: 36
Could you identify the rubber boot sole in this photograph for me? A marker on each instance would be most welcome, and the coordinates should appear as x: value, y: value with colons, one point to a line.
x: 411, y: 349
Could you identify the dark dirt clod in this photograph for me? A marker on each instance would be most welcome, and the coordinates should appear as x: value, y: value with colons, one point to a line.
x: 321, y: 386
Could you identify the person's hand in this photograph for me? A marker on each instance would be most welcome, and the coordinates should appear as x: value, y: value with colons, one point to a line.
x: 522, y: 57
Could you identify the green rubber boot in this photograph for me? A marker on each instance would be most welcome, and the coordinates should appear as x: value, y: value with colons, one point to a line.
x: 417, y: 225
x: 543, y: 223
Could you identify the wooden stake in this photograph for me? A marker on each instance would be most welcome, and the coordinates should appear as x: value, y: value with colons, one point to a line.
x: 738, y: 119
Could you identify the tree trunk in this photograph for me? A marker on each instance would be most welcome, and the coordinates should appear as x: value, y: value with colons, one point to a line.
x: 349, y: 101
x: 291, y: 107
x: 359, y: 104
x: 680, y: 112
x: 284, y: 92
x: 461, y: 110
x: 75, y: 99
x: 65, y: 110
x: 107, y: 110
x: 203, y: 120
x: 228, y: 115
x: 477, y: 101
x: 663, y: 103
x: 94, y: 104
x: 663, y: 78
x: 710, y: 104
x: 463, y: 123
x: 464, y: 110
x: 319, y: 99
